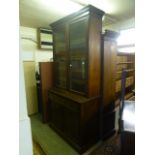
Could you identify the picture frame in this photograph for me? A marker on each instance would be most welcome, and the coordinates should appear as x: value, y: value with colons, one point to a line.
x: 45, y: 39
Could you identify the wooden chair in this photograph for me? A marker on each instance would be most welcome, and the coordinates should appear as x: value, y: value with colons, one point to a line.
x: 126, y: 122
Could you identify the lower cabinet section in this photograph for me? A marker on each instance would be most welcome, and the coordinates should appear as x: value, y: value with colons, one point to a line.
x: 75, y: 119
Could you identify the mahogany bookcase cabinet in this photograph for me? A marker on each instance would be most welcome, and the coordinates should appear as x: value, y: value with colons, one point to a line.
x: 75, y: 100
x: 108, y: 96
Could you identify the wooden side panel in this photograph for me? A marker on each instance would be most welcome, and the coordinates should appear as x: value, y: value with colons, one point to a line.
x: 46, y: 77
x: 90, y: 121
x: 30, y: 86
x: 109, y: 71
x: 94, y: 56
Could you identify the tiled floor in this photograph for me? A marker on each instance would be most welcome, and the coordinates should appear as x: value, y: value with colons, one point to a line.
x: 50, y: 142
x: 37, y: 150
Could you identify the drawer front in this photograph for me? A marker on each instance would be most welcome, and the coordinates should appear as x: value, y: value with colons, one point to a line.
x: 65, y: 102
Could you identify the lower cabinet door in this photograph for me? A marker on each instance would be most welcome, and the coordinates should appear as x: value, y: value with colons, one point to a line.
x: 71, y: 124
x: 65, y: 117
x: 57, y: 115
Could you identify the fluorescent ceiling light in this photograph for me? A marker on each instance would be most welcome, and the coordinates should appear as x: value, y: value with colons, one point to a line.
x: 62, y: 6
x: 106, y: 6
x: 129, y: 117
x: 126, y: 41
x: 127, y: 50
x: 126, y: 37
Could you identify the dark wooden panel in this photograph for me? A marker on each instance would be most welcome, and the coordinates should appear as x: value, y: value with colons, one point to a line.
x: 126, y: 139
x: 109, y: 53
x: 46, y: 81
x: 71, y: 124
x: 109, y: 72
x: 56, y: 114
x: 94, y: 56
x: 70, y: 104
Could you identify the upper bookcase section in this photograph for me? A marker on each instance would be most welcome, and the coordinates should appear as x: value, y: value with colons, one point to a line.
x: 85, y: 11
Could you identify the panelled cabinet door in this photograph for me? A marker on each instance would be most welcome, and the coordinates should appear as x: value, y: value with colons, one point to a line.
x: 78, y: 55
x: 71, y: 124
x: 60, y: 58
x: 57, y: 114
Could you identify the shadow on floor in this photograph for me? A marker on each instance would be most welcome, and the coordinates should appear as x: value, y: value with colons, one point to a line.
x: 52, y: 144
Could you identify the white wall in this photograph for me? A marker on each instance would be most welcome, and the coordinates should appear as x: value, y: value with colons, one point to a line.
x: 25, y: 137
x: 29, y: 45
x: 126, y: 24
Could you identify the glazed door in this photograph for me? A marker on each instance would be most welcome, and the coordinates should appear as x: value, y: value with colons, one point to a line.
x: 78, y: 55
x: 60, y: 58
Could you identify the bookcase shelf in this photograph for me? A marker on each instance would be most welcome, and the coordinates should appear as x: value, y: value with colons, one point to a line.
x: 125, y: 61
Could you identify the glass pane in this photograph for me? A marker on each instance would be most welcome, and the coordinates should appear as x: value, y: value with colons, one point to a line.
x: 78, y: 52
x: 78, y: 38
x: 127, y: 37
x: 60, y: 73
x: 60, y: 44
x: 60, y: 58
x: 78, y: 75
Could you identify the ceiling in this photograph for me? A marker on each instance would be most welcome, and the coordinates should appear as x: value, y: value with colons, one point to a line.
x: 41, y: 13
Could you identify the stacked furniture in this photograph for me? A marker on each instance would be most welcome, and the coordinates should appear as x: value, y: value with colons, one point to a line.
x: 108, y: 55
x: 46, y: 83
